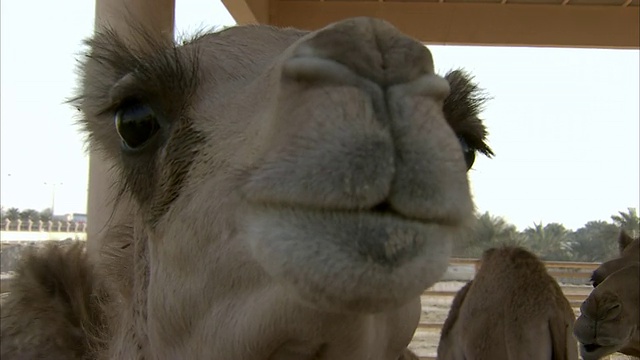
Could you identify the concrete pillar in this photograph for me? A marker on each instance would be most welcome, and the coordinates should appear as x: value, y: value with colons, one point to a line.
x: 158, y: 17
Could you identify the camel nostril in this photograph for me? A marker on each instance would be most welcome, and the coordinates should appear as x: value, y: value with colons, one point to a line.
x: 383, y: 207
x: 314, y: 69
x: 373, y: 49
x: 591, y: 347
x: 609, y: 311
x: 613, y: 310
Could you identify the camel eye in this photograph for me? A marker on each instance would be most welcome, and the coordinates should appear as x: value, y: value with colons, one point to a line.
x: 596, y: 279
x: 469, y: 153
x: 136, y: 124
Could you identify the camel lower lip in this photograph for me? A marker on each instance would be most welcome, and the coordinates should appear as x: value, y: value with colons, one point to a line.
x: 348, y: 260
x: 591, y: 347
x: 595, y: 351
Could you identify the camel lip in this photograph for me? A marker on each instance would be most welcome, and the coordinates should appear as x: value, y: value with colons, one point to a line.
x: 382, y: 210
x: 595, y: 351
x: 603, y: 343
x: 386, y: 209
x: 347, y: 260
x: 591, y: 347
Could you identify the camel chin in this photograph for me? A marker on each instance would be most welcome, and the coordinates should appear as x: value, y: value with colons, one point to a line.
x: 596, y: 351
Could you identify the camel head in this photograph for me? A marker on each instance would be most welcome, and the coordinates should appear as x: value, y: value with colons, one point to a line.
x: 609, y: 316
x: 279, y: 171
x: 629, y: 254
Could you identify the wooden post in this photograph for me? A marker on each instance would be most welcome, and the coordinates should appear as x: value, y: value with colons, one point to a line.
x: 156, y: 16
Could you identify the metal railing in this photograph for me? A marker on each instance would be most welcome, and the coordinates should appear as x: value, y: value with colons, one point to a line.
x: 42, y: 226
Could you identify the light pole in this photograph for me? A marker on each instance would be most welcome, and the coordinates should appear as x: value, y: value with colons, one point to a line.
x: 53, y: 196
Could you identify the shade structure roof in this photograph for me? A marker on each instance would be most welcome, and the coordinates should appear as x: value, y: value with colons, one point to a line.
x: 555, y: 23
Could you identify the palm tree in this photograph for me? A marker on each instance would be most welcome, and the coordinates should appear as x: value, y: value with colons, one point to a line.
x: 13, y: 214
x: 488, y: 231
x: 628, y: 221
x: 46, y: 215
x: 550, y: 242
x: 594, y: 242
x: 27, y: 214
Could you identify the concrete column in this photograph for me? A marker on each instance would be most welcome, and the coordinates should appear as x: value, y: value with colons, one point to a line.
x: 156, y: 16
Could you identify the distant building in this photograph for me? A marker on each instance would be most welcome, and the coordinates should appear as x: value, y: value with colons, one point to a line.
x: 71, y: 217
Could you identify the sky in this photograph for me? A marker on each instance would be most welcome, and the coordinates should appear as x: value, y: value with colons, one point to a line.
x: 564, y: 123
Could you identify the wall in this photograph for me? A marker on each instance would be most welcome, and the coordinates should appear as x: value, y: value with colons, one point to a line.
x: 15, y: 236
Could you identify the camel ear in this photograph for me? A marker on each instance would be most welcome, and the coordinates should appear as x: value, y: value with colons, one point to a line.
x: 624, y: 240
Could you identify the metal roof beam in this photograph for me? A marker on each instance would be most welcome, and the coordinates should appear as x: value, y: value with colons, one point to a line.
x: 478, y: 24
x: 248, y: 11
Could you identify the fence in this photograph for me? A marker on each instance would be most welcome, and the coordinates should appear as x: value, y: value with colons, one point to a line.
x: 569, y: 272
x: 49, y: 226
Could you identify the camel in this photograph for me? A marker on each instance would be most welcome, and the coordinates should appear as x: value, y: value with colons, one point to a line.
x: 293, y: 195
x: 512, y: 309
x: 609, y: 318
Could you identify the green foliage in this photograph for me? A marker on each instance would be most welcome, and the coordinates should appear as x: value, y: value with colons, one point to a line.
x: 46, y: 215
x: 14, y: 214
x: 596, y: 241
x: 29, y: 214
x: 628, y: 221
x: 550, y: 241
x: 488, y: 231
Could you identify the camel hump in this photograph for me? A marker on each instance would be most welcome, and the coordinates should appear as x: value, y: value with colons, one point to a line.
x: 51, y: 311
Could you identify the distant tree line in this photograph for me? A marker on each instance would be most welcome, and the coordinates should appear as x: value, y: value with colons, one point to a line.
x: 594, y: 242
x: 14, y: 214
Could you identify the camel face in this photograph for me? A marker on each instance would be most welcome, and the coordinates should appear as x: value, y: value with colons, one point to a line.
x: 629, y: 255
x: 337, y: 207
x: 280, y: 178
x: 512, y: 309
x: 609, y: 316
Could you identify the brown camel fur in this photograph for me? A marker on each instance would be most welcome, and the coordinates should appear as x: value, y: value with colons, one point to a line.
x: 609, y: 319
x: 513, y: 309
x: 610, y: 316
x: 294, y: 193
